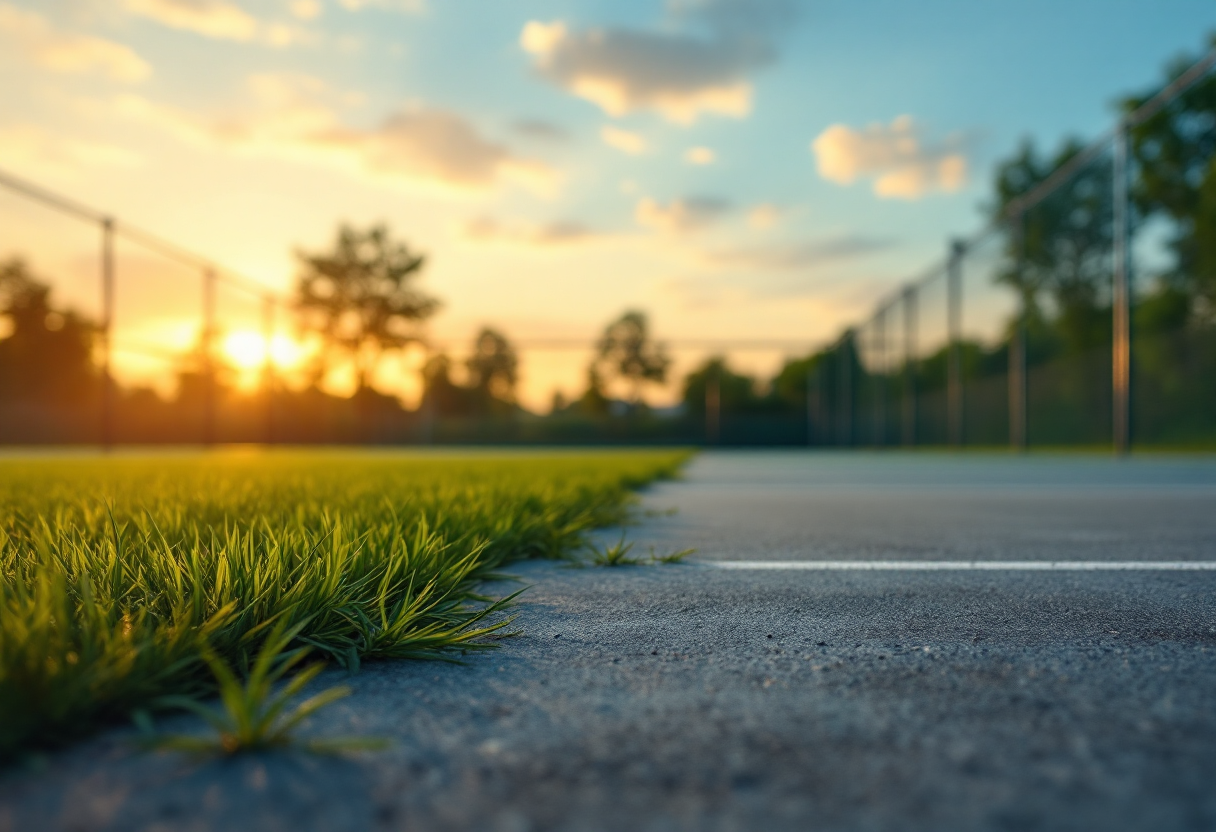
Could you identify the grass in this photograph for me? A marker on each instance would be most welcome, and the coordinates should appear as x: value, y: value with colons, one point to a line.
x: 253, y: 715
x: 130, y: 579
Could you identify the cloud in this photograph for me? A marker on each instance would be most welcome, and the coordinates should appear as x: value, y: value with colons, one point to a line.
x: 700, y: 156
x: 764, y: 215
x: 681, y: 215
x: 535, y: 128
x: 895, y: 156
x: 623, y: 140
x: 306, y: 9
x: 224, y: 20
x: 408, y: 6
x: 33, y: 36
x: 799, y: 256
x: 30, y: 148
x: 297, y: 116
x: 681, y: 75
x: 211, y: 18
x: 560, y: 232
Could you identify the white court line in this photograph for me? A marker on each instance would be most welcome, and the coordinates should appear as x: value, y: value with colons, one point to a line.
x: 970, y: 565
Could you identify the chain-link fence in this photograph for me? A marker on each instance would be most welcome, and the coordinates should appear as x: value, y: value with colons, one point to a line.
x: 1081, y: 316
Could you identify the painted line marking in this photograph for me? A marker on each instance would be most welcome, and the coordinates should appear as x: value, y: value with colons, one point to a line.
x: 970, y: 565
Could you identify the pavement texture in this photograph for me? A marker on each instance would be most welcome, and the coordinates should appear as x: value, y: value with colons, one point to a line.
x: 689, y: 697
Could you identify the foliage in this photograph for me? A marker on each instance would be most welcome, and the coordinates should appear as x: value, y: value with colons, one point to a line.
x: 1062, y: 244
x: 116, y: 570
x: 627, y: 351
x: 361, y: 298
x: 253, y: 715
x: 47, y: 355
x: 736, y: 392
x: 615, y: 555
x: 493, y: 367
x: 1175, y: 155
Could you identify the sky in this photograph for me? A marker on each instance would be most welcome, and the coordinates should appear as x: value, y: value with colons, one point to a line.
x: 741, y: 170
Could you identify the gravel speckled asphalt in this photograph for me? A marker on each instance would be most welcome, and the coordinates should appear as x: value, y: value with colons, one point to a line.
x: 688, y: 697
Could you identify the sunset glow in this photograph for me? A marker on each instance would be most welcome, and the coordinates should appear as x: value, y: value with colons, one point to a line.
x: 739, y: 169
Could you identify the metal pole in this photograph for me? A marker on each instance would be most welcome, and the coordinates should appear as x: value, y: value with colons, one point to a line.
x: 845, y: 366
x: 954, y: 326
x: 811, y: 395
x: 107, y: 326
x: 1120, y: 301
x: 208, y: 348
x: 713, y: 406
x: 822, y: 417
x: 268, y: 366
x: 909, y: 426
x: 880, y: 377
x: 1017, y: 349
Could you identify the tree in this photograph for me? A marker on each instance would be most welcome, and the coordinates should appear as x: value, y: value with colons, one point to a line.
x: 626, y: 351
x: 493, y: 367
x: 1063, y: 243
x: 1175, y: 156
x: 48, y: 353
x: 440, y: 395
x: 735, y: 392
x: 361, y: 299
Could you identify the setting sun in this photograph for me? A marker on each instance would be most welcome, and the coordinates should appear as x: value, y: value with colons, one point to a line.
x: 247, y: 350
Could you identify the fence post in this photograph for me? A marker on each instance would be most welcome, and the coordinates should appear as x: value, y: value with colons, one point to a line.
x: 1017, y: 348
x: 107, y: 326
x: 954, y: 327
x: 909, y: 414
x: 713, y: 406
x: 880, y: 377
x: 208, y: 348
x: 845, y: 392
x: 811, y: 396
x: 268, y: 366
x: 1120, y: 299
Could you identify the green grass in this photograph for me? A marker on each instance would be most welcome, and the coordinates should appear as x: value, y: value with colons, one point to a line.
x: 123, y: 577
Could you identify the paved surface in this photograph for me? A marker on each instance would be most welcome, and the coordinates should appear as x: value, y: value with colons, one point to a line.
x: 689, y: 697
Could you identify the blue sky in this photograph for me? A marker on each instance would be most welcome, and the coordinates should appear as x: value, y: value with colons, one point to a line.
x: 738, y: 168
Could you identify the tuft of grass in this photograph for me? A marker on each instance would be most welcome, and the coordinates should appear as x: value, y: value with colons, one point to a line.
x: 615, y: 555
x: 114, y: 572
x: 253, y: 715
x: 672, y: 557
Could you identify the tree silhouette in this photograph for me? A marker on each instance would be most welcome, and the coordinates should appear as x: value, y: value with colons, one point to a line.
x: 361, y: 299
x: 493, y: 367
x: 47, y: 355
x: 626, y: 351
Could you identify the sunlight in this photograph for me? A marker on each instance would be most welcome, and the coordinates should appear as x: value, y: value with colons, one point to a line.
x: 247, y: 350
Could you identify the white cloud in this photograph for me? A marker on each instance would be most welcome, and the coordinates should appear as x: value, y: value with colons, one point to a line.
x: 297, y: 117
x: 211, y: 18
x: 679, y: 75
x: 700, y: 156
x: 557, y: 233
x: 895, y: 156
x: 623, y: 140
x: 34, y: 37
x: 680, y: 215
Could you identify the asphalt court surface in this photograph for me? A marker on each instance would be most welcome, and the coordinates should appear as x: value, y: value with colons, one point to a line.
x: 694, y: 697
